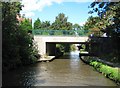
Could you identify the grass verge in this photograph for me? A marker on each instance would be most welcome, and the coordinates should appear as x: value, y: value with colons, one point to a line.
x: 110, y: 72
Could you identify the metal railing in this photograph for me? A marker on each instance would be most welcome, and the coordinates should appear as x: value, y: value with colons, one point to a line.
x: 51, y: 32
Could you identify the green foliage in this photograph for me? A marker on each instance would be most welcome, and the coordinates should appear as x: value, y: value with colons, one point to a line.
x: 76, y: 26
x: 26, y: 24
x: 61, y: 27
x: 45, y: 25
x: 108, y: 12
x: 109, y: 15
x: 28, y: 49
x: 64, y: 47
x: 37, y: 24
x: 45, y: 33
x: 72, y: 47
x: 80, y: 32
x: 58, y: 33
x: 61, y: 47
x: 94, y: 25
x: 41, y: 25
x: 18, y: 47
x: 110, y: 72
x: 61, y: 23
x: 83, y: 48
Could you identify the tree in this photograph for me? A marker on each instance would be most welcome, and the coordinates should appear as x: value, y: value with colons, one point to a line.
x: 9, y: 29
x: 17, y: 45
x: 109, y: 13
x: 37, y: 24
x: 45, y: 25
x: 76, y: 26
x: 61, y: 23
x: 41, y: 25
x: 93, y: 25
x: 26, y: 24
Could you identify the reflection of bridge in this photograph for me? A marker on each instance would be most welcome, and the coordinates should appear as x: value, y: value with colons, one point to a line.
x: 47, y: 44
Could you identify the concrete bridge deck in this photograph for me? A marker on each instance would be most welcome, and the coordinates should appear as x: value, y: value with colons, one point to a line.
x: 47, y: 43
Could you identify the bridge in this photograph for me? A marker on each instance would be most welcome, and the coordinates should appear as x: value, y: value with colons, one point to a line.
x: 47, y: 44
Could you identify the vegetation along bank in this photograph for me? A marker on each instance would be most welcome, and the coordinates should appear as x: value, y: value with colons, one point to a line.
x: 110, y: 72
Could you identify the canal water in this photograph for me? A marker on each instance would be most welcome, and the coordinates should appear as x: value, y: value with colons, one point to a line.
x: 67, y: 70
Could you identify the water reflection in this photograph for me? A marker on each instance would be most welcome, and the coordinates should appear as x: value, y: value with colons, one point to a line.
x: 74, y: 60
x: 67, y: 70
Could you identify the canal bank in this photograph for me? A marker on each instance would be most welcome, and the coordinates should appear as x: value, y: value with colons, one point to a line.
x: 108, y: 69
x: 67, y: 70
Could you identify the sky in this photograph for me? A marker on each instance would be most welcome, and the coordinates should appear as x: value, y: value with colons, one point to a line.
x: 47, y: 10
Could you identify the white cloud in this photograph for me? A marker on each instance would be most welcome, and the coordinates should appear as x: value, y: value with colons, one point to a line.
x: 38, y: 5
x: 33, y: 5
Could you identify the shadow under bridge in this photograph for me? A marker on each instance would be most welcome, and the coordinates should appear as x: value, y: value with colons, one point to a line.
x: 47, y: 44
x: 53, y: 50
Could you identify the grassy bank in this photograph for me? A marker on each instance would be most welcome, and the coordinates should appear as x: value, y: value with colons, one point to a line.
x: 109, y: 72
x: 112, y: 73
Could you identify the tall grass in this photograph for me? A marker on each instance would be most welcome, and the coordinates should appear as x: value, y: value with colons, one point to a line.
x: 110, y: 72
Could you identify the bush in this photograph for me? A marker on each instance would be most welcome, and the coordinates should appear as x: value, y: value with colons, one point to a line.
x: 18, y: 47
x: 109, y: 72
x: 72, y: 47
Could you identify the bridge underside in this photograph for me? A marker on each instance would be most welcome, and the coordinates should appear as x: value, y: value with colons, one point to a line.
x: 47, y: 45
x: 51, y: 47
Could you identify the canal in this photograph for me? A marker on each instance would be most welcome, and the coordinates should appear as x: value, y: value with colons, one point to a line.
x: 67, y: 70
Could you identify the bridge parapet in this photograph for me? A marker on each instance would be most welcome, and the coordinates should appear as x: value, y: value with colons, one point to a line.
x: 50, y: 32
